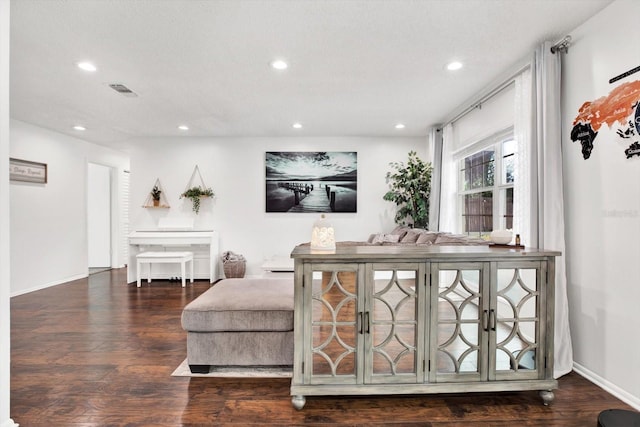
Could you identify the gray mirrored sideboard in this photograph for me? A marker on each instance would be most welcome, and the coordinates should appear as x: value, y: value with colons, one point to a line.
x: 376, y: 320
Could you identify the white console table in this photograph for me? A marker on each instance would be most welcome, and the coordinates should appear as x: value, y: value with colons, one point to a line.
x: 203, y: 243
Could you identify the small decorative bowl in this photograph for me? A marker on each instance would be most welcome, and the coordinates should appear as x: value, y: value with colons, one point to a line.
x: 501, y: 237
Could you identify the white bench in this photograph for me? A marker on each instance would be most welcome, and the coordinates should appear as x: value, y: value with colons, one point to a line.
x: 165, y: 257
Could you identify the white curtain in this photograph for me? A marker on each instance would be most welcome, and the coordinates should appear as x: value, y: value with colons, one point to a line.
x: 523, y: 208
x: 448, y: 220
x: 547, y: 209
x: 435, y: 143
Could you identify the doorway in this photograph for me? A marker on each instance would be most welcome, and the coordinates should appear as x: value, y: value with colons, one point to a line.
x: 99, y: 217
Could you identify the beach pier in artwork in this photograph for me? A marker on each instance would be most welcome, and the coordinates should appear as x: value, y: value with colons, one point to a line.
x: 310, y: 198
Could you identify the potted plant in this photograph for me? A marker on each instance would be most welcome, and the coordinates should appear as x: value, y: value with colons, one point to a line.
x: 410, y: 188
x: 195, y: 193
x: 155, y: 194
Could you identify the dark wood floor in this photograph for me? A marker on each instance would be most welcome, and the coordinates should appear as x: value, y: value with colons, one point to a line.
x: 99, y: 352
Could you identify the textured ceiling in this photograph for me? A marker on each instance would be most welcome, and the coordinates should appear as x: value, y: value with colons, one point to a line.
x: 357, y: 67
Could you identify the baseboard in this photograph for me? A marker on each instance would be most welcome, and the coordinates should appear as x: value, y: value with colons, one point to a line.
x: 621, y: 394
x: 9, y: 423
x: 48, y: 285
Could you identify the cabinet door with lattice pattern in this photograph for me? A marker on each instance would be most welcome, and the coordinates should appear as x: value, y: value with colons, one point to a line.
x: 516, y: 321
x: 332, y: 296
x: 459, y: 316
x: 393, y: 323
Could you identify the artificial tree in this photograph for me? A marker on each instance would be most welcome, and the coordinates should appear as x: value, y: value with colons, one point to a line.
x: 410, y: 189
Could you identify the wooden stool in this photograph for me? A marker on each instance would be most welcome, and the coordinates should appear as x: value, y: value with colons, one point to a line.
x: 165, y: 257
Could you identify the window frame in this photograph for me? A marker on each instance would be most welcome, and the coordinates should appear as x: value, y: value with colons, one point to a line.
x: 498, y: 189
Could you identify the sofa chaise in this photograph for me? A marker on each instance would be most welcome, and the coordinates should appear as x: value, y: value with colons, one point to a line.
x: 241, y: 322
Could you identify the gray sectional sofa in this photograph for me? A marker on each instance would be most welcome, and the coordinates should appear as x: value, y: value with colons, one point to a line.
x: 403, y: 235
x: 249, y: 321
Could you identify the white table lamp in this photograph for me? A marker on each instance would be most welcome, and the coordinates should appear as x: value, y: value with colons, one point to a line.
x: 323, y: 237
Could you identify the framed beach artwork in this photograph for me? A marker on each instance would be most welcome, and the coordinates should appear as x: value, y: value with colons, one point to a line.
x: 317, y: 181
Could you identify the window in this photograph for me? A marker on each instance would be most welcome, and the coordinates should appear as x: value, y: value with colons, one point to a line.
x: 485, y: 185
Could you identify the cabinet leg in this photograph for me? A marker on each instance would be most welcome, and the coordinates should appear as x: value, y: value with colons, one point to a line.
x: 298, y: 401
x: 547, y: 397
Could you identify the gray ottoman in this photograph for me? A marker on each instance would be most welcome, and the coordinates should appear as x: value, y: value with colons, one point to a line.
x: 241, y: 322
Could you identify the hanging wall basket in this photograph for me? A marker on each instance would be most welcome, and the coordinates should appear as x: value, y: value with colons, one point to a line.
x: 195, y: 190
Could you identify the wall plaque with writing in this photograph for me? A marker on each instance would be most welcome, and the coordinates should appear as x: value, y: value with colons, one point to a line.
x: 24, y: 170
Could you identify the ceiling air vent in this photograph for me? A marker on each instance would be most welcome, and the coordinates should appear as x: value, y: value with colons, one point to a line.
x: 122, y: 89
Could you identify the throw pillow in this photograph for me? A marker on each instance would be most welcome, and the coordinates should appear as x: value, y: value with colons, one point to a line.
x: 386, y: 238
x: 400, y: 230
x: 427, y: 238
x: 450, y: 239
x: 412, y: 235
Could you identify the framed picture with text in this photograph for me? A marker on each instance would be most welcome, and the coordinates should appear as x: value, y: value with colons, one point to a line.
x: 26, y: 171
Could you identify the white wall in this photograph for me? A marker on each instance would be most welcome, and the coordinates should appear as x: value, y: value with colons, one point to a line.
x: 235, y: 169
x: 5, y: 259
x: 49, y: 221
x: 603, y: 209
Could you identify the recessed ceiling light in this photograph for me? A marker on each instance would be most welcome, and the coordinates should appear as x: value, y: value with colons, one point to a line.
x: 86, y: 66
x: 453, y: 66
x: 297, y: 125
x: 183, y: 127
x: 279, y: 64
x: 400, y: 126
x: 79, y: 127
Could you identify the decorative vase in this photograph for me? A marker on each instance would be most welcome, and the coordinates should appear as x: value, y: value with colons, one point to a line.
x: 156, y: 203
x: 501, y: 237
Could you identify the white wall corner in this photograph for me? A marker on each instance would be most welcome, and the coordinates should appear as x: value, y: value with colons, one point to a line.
x: 48, y: 284
x: 58, y: 220
x: 601, y: 214
x: 9, y: 423
x: 608, y: 386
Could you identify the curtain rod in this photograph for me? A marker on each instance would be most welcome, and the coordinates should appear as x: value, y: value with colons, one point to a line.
x: 478, y: 104
x: 501, y: 83
x: 562, y: 46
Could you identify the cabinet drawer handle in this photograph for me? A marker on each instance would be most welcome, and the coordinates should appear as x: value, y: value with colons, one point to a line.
x: 366, y: 316
x: 492, y: 317
x: 359, y: 323
x: 485, y: 320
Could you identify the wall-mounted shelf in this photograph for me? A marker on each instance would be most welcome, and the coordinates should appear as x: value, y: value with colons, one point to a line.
x: 192, y: 181
x: 196, y: 191
x: 151, y: 203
